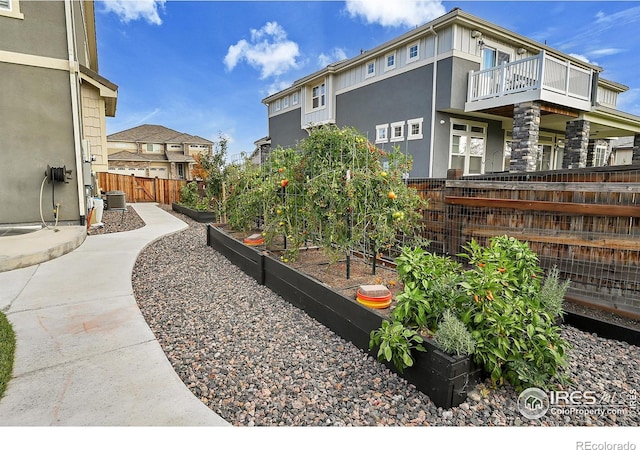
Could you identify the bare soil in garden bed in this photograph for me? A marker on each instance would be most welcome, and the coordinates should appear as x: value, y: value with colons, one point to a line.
x: 313, y: 262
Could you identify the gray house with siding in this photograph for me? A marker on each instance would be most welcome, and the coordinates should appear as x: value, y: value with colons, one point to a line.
x: 460, y: 92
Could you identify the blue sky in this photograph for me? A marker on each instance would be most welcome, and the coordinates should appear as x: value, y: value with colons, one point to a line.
x: 203, y: 67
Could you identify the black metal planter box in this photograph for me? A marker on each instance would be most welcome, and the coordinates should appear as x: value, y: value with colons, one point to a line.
x: 199, y: 216
x: 444, y: 378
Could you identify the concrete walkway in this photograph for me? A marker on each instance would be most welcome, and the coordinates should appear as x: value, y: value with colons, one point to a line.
x: 84, y: 353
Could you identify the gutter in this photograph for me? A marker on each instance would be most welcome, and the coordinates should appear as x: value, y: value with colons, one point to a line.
x: 433, y: 100
x: 73, y: 82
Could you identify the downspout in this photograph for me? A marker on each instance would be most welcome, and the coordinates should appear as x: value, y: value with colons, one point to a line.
x: 433, y: 100
x: 73, y: 82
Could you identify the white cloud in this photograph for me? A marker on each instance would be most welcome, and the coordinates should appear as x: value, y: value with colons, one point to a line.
x: 337, y: 54
x: 276, y: 87
x: 268, y: 51
x: 129, y: 10
x: 583, y: 58
x: 396, y: 13
x: 605, y: 51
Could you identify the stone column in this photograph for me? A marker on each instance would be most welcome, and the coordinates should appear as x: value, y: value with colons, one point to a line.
x: 526, y: 129
x: 576, y: 144
x: 636, y: 150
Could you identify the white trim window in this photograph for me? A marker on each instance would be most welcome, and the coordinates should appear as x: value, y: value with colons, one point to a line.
x: 467, y: 146
x: 295, y: 98
x: 397, y: 132
x: 370, y: 69
x: 390, y: 61
x: 413, y: 52
x: 599, y: 152
x: 382, y: 133
x: 317, y: 96
x: 154, y: 148
x: 414, y: 129
x: 278, y: 105
x: 285, y: 102
x: 11, y: 8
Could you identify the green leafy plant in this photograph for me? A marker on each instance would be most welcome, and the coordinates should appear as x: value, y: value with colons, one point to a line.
x: 395, y: 343
x: 430, y: 287
x: 453, y: 336
x: 189, y: 195
x: 516, y: 338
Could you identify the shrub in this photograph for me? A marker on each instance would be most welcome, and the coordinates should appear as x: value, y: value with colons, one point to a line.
x: 189, y: 195
x: 453, y: 336
x: 552, y: 293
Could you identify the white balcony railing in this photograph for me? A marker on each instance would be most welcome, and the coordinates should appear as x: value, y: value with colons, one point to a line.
x: 537, y: 75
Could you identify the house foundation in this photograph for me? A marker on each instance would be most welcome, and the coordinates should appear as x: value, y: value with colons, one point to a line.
x: 526, y: 130
x: 576, y: 145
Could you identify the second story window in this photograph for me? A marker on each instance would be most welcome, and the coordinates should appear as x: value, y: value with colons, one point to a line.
x: 10, y: 8
x: 317, y: 96
x: 390, y: 61
x: 294, y: 98
x: 493, y: 58
x: 371, y: 69
x: 412, y: 52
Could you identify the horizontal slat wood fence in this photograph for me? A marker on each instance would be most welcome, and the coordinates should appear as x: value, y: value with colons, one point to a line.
x: 585, y: 221
x: 141, y: 189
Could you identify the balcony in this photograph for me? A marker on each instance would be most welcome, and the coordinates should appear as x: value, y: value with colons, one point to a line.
x: 538, y: 78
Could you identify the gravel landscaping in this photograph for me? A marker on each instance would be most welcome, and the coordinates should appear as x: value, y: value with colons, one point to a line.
x: 256, y: 360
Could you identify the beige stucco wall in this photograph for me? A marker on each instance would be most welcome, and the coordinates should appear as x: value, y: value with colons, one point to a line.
x: 35, y: 131
x: 36, y: 120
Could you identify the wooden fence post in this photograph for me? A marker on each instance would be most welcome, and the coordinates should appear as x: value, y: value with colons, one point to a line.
x: 453, y: 225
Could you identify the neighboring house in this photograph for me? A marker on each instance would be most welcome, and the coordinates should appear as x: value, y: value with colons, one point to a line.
x: 460, y: 92
x: 53, y: 109
x: 155, y: 151
x: 621, y: 151
x: 262, y: 150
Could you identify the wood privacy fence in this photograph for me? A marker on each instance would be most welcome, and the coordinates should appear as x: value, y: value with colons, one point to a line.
x: 585, y: 221
x: 141, y: 189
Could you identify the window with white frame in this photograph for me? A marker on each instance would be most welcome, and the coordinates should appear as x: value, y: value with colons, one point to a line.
x: 397, y: 132
x: 285, y: 102
x: 154, y: 148
x: 294, y: 98
x: 11, y: 8
x: 370, y: 69
x: 278, y: 105
x: 317, y: 96
x: 599, y: 152
x: 468, y: 143
x: 414, y: 129
x: 390, y: 61
x: 413, y: 52
x: 382, y: 133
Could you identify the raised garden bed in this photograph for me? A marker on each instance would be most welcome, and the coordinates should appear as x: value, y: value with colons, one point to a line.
x: 198, y: 216
x: 444, y: 378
